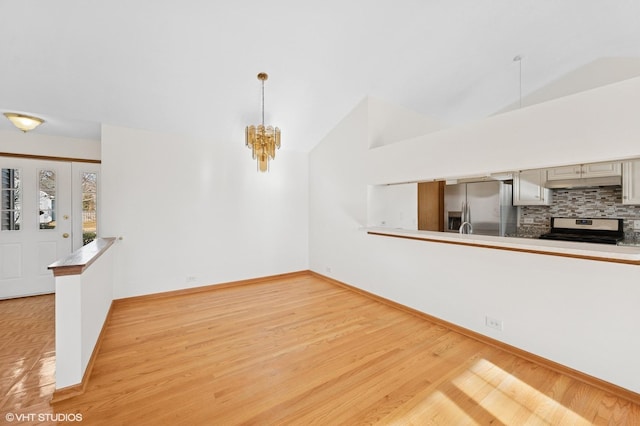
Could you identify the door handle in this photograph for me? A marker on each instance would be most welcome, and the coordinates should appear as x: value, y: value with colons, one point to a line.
x: 65, y: 235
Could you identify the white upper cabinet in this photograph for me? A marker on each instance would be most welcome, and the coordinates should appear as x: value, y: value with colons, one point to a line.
x: 528, y: 189
x: 585, y: 171
x: 567, y: 172
x: 601, y: 170
x: 631, y: 182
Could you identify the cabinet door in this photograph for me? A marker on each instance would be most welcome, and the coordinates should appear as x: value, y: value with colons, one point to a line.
x: 601, y: 170
x: 560, y: 173
x: 528, y: 189
x: 631, y: 182
x: 431, y: 206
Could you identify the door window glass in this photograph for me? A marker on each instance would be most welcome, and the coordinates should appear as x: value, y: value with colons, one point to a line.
x: 47, y: 199
x: 89, y: 206
x: 10, y: 200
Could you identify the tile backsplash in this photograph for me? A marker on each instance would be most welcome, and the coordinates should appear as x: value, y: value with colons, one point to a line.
x: 605, y: 201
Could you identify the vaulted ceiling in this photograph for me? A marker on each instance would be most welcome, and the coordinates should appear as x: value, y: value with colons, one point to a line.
x: 189, y: 66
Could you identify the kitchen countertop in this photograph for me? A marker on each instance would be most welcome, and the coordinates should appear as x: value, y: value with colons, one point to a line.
x: 629, y: 243
x: 598, y: 252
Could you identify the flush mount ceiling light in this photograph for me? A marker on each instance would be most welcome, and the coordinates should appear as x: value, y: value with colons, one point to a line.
x: 263, y: 141
x: 23, y: 122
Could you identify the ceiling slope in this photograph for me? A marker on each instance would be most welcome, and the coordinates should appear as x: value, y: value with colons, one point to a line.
x: 190, y: 67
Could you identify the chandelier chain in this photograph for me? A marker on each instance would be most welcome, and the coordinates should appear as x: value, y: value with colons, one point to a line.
x: 263, y: 102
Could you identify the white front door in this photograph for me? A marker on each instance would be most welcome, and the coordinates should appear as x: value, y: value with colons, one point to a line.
x: 35, y: 223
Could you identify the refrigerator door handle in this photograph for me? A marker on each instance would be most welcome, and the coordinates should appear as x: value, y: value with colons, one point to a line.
x: 466, y: 212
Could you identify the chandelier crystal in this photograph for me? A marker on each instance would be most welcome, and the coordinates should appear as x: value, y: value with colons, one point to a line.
x: 262, y: 140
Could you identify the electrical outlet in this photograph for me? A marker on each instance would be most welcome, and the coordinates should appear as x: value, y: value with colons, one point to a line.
x: 327, y: 269
x: 636, y: 225
x: 528, y: 220
x: 493, y: 323
x: 191, y: 279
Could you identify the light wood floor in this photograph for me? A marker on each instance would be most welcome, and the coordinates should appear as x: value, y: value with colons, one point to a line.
x: 305, y: 351
x: 27, y: 355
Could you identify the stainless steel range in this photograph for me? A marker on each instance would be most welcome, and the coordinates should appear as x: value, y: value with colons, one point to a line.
x: 586, y: 230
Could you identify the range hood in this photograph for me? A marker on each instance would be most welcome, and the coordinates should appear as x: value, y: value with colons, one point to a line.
x: 485, y: 178
x: 584, y: 182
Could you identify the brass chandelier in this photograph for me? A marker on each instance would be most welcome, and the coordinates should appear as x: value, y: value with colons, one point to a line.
x: 263, y: 141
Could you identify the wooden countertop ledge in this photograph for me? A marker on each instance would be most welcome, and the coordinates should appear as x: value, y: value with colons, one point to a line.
x: 81, y: 259
x: 597, y: 252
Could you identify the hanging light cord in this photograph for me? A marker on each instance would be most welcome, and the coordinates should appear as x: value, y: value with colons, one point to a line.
x: 520, y: 85
x: 518, y: 59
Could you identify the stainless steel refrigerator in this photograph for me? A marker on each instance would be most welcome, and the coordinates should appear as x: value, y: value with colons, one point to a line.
x: 487, y: 206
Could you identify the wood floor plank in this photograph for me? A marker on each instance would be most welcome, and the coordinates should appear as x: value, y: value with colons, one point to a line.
x: 295, y: 350
x: 27, y: 357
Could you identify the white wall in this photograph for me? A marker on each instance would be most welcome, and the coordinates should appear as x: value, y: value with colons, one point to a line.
x: 579, y: 313
x: 595, y: 74
x: 393, y: 206
x: 97, y: 294
x: 69, y: 370
x: 82, y: 305
x: 390, y: 123
x: 338, y: 197
x: 195, y: 212
x: 16, y: 142
x: 597, y: 125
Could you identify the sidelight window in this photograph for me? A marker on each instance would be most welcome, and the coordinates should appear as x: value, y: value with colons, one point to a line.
x: 10, y: 200
x: 47, y: 199
x: 89, y: 206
